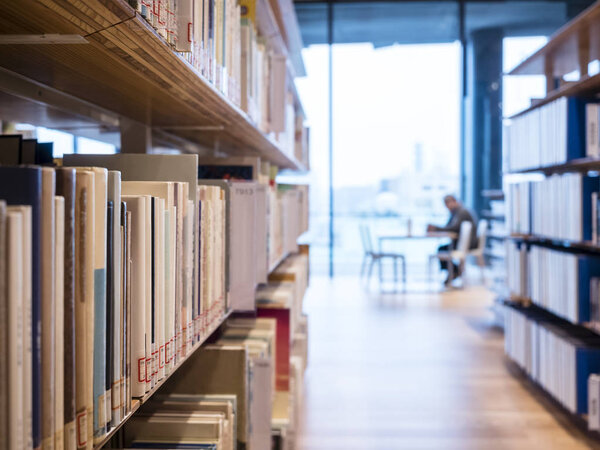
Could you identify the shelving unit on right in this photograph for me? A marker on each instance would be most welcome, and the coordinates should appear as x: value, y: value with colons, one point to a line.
x: 551, y: 186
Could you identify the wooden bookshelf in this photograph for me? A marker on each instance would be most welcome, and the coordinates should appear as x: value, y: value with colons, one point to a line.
x: 571, y: 48
x: 125, y: 67
x: 137, y: 403
x: 575, y: 165
x: 557, y: 244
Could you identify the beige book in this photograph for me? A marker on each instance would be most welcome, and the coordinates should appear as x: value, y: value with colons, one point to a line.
x: 59, y: 258
x: 48, y: 308
x: 148, y: 282
x: 166, y: 191
x: 197, y: 403
x: 188, y: 272
x: 136, y: 206
x: 14, y: 239
x: 171, y: 222
x: 84, y: 303
x: 174, y: 427
x: 27, y: 382
x: 229, y: 369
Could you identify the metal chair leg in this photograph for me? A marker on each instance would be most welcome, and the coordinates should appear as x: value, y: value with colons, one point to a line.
x: 363, y: 266
x: 369, y: 273
x: 395, y: 271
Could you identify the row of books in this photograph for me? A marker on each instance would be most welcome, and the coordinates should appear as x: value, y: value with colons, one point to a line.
x: 551, y: 134
x: 220, y: 39
x: 120, y: 280
x: 566, y: 284
x: 561, y: 282
x: 559, y: 206
x: 253, y: 371
x: 557, y: 355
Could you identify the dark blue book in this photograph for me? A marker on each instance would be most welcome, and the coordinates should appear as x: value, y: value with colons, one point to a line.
x: 23, y: 186
x: 589, y: 185
x: 588, y: 268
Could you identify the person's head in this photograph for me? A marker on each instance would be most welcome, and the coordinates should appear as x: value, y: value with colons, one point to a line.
x: 451, y: 202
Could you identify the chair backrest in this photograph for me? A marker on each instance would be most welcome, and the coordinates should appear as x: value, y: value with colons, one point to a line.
x: 464, y: 237
x: 365, y: 236
x: 482, y: 228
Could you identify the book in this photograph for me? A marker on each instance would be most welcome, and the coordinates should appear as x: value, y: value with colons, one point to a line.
x: 108, y: 363
x: 556, y: 354
x: 15, y: 254
x: 28, y: 151
x: 84, y: 302
x: 229, y: 368
x: 59, y: 327
x: 136, y: 206
x: 116, y: 303
x: 65, y: 187
x: 23, y: 186
x: 47, y: 255
x: 593, y: 402
x: 592, y: 135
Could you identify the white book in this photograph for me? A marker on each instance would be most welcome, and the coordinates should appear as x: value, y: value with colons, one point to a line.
x: 242, y: 235
x: 27, y: 305
x: 136, y: 205
x: 59, y: 258
x: 147, y: 223
x: 14, y: 230
x: 116, y: 404
x: 48, y: 291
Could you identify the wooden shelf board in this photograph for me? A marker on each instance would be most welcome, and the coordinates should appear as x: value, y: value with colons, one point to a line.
x: 586, y: 86
x: 138, y: 402
x: 575, y: 165
x: 128, y: 69
x: 560, y: 244
x: 562, y: 51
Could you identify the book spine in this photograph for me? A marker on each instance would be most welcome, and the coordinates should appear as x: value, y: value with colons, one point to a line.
x: 99, y: 314
x: 15, y: 328
x: 65, y: 187
x: 108, y: 363
x: 114, y: 195
x: 48, y: 307
x: 59, y: 232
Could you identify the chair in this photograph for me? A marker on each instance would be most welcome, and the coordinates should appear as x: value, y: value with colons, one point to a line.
x: 478, y: 252
x: 458, y: 255
x: 371, y: 257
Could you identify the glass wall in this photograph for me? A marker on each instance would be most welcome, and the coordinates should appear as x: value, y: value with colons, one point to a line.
x: 417, y: 104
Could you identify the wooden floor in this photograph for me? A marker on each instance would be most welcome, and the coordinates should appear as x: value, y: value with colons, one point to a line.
x: 418, y: 371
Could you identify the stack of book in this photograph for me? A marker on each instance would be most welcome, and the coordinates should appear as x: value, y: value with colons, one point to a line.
x: 557, y: 355
x: 551, y: 134
x: 236, y: 371
x: 114, y: 268
x: 221, y: 40
x: 282, y: 299
x: 558, y: 206
x: 560, y: 282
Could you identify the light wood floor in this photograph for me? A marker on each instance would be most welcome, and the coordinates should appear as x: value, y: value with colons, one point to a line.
x: 417, y: 371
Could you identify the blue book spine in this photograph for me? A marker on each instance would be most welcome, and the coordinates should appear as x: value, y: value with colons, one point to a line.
x: 588, y: 362
x: 99, y: 352
x: 588, y: 268
x: 576, y: 145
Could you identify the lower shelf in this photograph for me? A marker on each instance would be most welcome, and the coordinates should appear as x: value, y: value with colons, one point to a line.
x: 136, y: 403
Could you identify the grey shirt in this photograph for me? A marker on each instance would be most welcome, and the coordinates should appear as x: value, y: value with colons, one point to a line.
x: 457, y: 217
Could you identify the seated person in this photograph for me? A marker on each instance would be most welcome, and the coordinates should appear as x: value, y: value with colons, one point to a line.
x: 458, y: 214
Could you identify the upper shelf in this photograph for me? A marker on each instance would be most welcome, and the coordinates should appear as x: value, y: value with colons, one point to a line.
x: 574, y: 165
x: 127, y: 68
x: 571, y: 48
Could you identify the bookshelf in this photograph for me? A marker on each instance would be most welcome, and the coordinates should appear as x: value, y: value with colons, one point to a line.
x: 122, y: 65
x: 551, y: 258
x: 99, y: 64
x: 141, y: 400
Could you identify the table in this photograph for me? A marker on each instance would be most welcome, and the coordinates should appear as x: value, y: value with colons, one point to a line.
x: 429, y: 235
